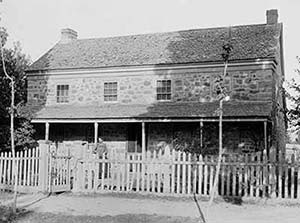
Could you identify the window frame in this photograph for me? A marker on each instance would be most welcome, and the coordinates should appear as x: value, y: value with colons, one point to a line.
x: 163, y: 92
x: 62, y: 93
x: 110, y: 92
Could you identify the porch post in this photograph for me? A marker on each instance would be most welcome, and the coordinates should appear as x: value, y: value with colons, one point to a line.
x: 47, y: 125
x: 143, y: 155
x: 95, y: 132
x: 143, y: 140
x: 265, y: 137
x: 201, y: 134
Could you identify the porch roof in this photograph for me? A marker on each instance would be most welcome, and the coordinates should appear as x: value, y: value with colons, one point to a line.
x: 161, y: 110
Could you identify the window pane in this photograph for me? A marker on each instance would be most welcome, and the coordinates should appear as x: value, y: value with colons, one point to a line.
x: 62, y: 93
x: 110, y: 91
x: 163, y: 90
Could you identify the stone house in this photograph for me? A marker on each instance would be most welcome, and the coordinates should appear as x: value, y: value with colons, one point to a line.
x: 137, y: 91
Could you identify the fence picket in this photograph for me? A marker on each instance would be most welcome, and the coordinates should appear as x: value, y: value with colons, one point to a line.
x: 10, y: 169
x: 5, y: 168
x: 194, y: 169
x: 20, y: 167
x: 1, y: 168
x: 280, y: 179
x: 246, y: 175
x: 143, y: 172
x: 123, y: 168
x: 200, y: 175
x: 222, y: 176
x: 292, y: 176
x: 158, y: 168
x: 178, y: 172
x: 298, y: 180
x: 257, y: 175
x: 234, y: 176
x: 228, y: 180
x: 173, y: 172
x: 148, y: 170
x: 286, y: 178
x: 251, y: 176
x: 37, y: 166
x: 205, y: 176
x: 272, y: 174
x: 184, y: 173
x: 211, y: 175
x: 189, y: 183
x: 25, y: 167
x: 138, y: 173
x: 102, y: 160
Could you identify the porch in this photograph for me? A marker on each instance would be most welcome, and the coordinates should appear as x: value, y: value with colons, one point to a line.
x: 136, y: 136
x: 185, y: 126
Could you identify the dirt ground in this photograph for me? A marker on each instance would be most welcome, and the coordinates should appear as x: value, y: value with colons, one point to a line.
x: 137, y: 208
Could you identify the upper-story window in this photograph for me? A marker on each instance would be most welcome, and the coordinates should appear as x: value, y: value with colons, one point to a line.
x: 110, y: 91
x: 62, y: 93
x: 163, y: 90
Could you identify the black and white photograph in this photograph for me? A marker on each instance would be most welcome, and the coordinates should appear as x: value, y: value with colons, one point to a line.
x: 149, y: 111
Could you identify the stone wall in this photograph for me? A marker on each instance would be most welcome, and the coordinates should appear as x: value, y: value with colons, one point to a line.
x: 187, y: 85
x: 237, y: 137
x: 255, y: 83
x: 113, y: 132
x: 240, y: 85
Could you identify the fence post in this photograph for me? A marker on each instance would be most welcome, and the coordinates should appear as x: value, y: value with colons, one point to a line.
x: 43, y: 167
x: 273, y: 172
x: 80, y: 157
x: 167, y: 169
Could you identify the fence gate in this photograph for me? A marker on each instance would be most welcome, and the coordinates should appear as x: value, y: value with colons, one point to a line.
x: 59, y: 171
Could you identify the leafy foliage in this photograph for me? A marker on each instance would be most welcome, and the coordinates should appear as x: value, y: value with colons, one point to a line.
x: 16, y: 63
x: 293, y: 94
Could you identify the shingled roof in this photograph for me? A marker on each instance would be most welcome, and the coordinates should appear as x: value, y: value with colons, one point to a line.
x: 158, y: 110
x: 190, y: 46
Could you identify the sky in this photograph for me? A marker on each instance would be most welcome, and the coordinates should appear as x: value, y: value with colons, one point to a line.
x: 36, y: 24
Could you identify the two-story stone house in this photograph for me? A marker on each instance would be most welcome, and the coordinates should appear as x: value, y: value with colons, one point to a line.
x: 137, y: 91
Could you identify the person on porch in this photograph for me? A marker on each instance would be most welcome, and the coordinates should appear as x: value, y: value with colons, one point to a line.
x: 100, y: 148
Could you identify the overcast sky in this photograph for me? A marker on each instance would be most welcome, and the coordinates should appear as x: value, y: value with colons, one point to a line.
x: 36, y: 24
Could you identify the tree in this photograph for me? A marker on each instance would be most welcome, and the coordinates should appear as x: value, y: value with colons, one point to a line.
x: 15, y: 63
x: 293, y: 95
x: 13, y: 89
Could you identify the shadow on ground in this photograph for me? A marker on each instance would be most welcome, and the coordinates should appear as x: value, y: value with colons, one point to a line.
x: 233, y: 200
x: 7, y: 214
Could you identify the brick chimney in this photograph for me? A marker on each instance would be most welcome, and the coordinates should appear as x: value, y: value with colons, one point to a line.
x: 272, y: 16
x: 67, y: 35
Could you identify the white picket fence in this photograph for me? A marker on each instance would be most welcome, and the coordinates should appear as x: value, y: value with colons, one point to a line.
x: 50, y: 169
x: 28, y: 170
x: 181, y: 173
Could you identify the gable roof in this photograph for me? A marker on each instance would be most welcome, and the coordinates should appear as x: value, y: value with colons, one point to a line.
x: 190, y: 46
x: 172, y: 110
